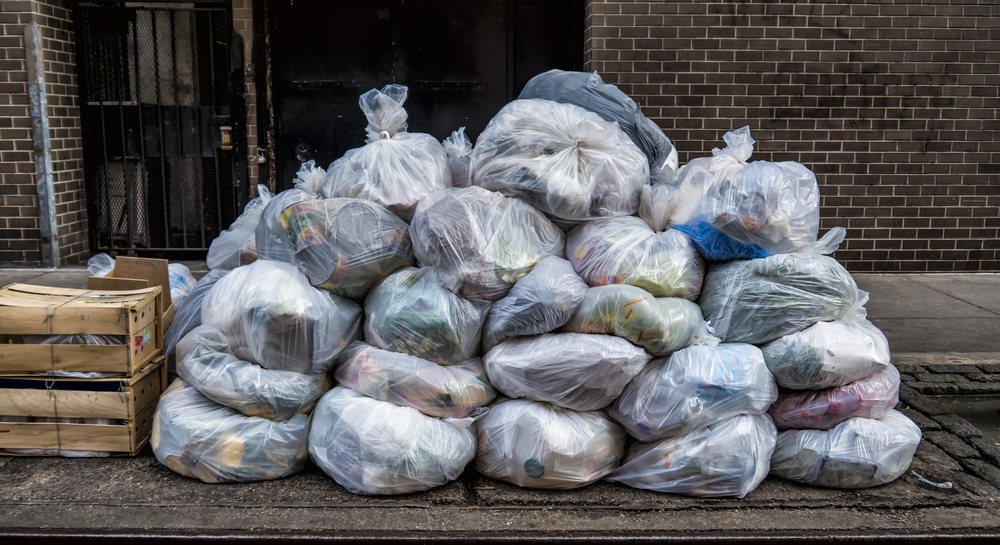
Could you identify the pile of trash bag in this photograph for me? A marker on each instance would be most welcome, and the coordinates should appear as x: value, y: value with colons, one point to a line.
x: 538, y: 445
x: 237, y: 245
x: 871, y: 397
x: 626, y: 251
x: 563, y: 160
x: 481, y: 242
x: 394, y: 168
x: 376, y: 447
x: 411, y: 312
x: 458, y: 148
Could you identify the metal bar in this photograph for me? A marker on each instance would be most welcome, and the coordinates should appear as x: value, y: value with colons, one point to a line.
x: 82, y: 45
x: 159, y: 106
x: 42, y: 152
x: 142, y: 124
x: 177, y: 108
x: 196, y: 94
x: 99, y: 62
x: 119, y: 80
x: 215, y: 150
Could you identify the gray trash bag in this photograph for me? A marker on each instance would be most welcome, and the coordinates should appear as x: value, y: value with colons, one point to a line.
x: 458, y: 147
x: 697, y: 386
x: 188, y: 314
x: 375, y: 447
x: 237, y: 245
x: 274, y: 318
x: 199, y: 438
x: 481, y: 242
x: 857, y: 453
x: 565, y: 161
x: 205, y: 361
x: 660, y: 325
x: 589, y: 92
x: 455, y: 391
x: 871, y: 397
x: 627, y: 251
x: 394, y: 168
x: 539, y: 445
x: 728, y: 459
x: 411, y: 312
x: 760, y: 300
x: 571, y: 370
x: 540, y: 302
x: 828, y: 354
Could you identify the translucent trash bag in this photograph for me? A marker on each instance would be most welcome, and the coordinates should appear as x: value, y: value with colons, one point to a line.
x: 188, y: 314
x: 375, y: 447
x: 100, y: 264
x: 857, y: 453
x: 198, y: 438
x: 760, y: 300
x: 571, y: 370
x: 455, y: 391
x: 458, y: 147
x: 274, y: 318
x: 727, y: 459
x: 870, y: 397
x: 411, y: 312
x: 481, y: 242
x: 695, y: 387
x: 660, y: 325
x: 627, y: 251
x: 205, y: 361
x: 589, y: 92
x: 564, y: 160
x: 237, y: 245
x: 181, y: 282
x: 540, y: 302
x: 539, y: 445
x: 394, y: 168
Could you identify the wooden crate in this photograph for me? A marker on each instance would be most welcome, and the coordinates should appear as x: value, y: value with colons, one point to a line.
x: 39, y: 310
x: 127, y: 399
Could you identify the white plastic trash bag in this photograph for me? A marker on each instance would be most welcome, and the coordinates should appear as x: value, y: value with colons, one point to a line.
x: 870, y: 397
x: 759, y: 300
x: 458, y: 147
x: 727, y: 459
x: 375, y: 447
x: 539, y: 445
x: 695, y: 387
x: 100, y: 264
x: 455, y: 391
x: 540, y: 302
x: 857, y: 453
x: 627, y: 251
x: 188, y: 314
x: 237, y: 245
x: 199, y: 438
x: 571, y: 370
x: 660, y: 325
x: 481, y: 242
x: 564, y: 160
x: 181, y: 282
x: 394, y: 168
x: 205, y: 361
x: 274, y: 318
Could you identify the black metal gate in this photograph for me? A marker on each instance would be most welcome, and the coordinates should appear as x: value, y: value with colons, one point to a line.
x: 161, y: 97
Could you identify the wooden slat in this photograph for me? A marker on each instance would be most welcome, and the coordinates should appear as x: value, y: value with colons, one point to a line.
x: 145, y: 392
x: 46, y: 435
x: 39, y: 358
x: 153, y: 367
x: 66, y: 320
x: 64, y: 403
x: 142, y: 426
x: 68, y: 293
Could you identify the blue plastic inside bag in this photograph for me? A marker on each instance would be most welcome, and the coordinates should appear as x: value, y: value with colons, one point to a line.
x: 717, y: 246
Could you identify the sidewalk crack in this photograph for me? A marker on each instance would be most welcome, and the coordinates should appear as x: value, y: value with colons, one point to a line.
x: 954, y: 297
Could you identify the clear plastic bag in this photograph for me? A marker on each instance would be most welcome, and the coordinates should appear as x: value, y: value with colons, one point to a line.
x: 760, y: 300
x: 540, y: 302
x: 205, y: 361
x: 857, y: 453
x: 827, y: 354
x: 728, y: 459
x: 376, y: 447
x: 697, y: 386
x: 458, y: 147
x: 657, y: 203
x: 237, y: 245
x: 539, y: 445
x: 181, y: 282
x: 481, y: 242
x: 411, y: 312
x: 589, y: 92
x: 199, y: 438
x: 871, y: 397
x: 564, y: 160
x: 660, y: 325
x: 455, y: 391
x: 100, y: 264
x: 394, y: 168
x: 188, y: 314
x: 274, y: 318
x: 627, y: 251
x: 65, y: 453
x: 571, y: 370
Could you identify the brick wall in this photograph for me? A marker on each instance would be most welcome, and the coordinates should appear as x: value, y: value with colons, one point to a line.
x: 243, y: 25
x: 892, y: 103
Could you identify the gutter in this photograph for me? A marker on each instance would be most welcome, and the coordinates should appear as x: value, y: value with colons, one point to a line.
x: 41, y: 147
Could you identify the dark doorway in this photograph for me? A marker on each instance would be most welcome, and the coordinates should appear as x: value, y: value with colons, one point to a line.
x: 161, y: 92
x: 462, y: 60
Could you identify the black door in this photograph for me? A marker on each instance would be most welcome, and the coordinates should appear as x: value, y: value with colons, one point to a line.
x: 161, y: 94
x: 462, y: 60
